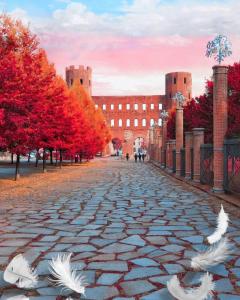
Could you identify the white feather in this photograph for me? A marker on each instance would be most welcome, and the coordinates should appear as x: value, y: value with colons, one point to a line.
x: 213, y: 256
x: 221, y: 227
x: 19, y: 272
x: 64, y: 276
x: 200, y: 293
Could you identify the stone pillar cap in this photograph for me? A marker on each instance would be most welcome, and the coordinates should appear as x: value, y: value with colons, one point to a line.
x: 188, y: 132
x: 198, y: 129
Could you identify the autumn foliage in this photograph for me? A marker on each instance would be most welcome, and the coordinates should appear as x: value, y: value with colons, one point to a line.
x: 198, y: 113
x: 37, y: 110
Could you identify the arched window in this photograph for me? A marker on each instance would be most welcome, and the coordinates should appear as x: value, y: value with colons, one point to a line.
x: 135, y: 122
x: 135, y: 106
x: 152, y: 106
x: 160, y: 106
x: 120, y: 106
x: 151, y: 122
x: 159, y: 122
x: 144, y: 106
x: 120, y: 122
x: 104, y: 107
x: 112, y: 106
x: 81, y: 81
x: 128, y: 106
x: 96, y: 106
x: 144, y: 122
x: 128, y: 123
x: 112, y: 123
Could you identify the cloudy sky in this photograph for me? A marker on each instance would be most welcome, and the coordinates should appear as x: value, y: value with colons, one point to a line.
x: 131, y: 44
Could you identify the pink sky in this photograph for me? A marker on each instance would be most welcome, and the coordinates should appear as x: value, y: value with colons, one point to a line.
x: 130, y: 53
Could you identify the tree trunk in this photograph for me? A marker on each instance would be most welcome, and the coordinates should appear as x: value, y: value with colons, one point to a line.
x: 36, y: 163
x: 56, y: 157
x: 29, y: 157
x: 51, y: 156
x: 12, y: 159
x: 60, y: 151
x: 44, y: 161
x: 17, y: 174
x: 80, y: 158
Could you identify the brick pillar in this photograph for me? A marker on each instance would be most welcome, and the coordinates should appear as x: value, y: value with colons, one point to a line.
x: 172, y: 146
x: 188, y: 146
x: 164, y: 140
x: 198, y: 140
x: 220, y: 118
x: 179, y: 138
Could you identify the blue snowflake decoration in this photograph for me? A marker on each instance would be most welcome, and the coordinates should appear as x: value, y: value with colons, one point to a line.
x: 220, y: 48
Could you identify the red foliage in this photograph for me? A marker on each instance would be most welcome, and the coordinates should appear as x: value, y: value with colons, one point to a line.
x: 36, y: 108
x: 198, y: 113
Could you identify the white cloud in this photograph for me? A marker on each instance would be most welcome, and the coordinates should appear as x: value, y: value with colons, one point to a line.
x: 153, y: 18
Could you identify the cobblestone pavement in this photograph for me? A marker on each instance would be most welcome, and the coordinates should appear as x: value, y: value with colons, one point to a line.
x: 129, y: 227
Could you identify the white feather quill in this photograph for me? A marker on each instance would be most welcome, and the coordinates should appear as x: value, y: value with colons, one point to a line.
x: 200, y: 293
x: 221, y: 227
x: 19, y: 272
x: 213, y: 256
x: 64, y: 276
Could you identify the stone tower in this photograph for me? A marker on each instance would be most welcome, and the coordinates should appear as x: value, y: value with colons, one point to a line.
x: 177, y: 82
x: 80, y: 74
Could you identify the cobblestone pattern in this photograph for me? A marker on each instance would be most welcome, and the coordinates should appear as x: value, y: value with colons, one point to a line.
x: 129, y: 228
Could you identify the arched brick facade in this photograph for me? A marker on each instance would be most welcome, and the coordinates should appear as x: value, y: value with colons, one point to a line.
x: 121, y: 112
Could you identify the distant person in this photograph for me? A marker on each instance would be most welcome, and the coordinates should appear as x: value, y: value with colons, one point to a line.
x: 143, y: 157
x: 127, y: 156
x: 135, y: 157
x: 139, y: 156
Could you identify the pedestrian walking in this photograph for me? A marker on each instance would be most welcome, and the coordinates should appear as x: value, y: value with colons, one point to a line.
x: 127, y: 156
x: 143, y: 157
x: 139, y: 156
x: 135, y: 156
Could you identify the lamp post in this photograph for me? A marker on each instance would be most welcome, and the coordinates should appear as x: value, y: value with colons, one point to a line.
x: 164, y: 116
x: 179, y: 130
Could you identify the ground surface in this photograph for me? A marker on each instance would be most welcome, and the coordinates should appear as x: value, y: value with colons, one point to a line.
x: 128, y: 226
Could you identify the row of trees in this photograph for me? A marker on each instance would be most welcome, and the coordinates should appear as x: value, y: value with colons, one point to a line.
x: 37, y: 110
x: 198, y: 113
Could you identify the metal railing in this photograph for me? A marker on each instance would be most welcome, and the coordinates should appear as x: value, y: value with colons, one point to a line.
x: 192, y: 163
x: 183, y: 159
x: 232, y: 166
x: 206, y: 164
x: 174, y: 161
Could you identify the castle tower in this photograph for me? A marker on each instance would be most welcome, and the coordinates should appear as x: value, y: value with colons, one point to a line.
x: 80, y: 74
x: 177, y: 82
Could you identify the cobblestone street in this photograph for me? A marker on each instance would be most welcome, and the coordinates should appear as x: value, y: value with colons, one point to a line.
x: 129, y: 227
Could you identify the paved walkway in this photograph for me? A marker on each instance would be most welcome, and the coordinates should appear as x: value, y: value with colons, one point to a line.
x: 129, y: 227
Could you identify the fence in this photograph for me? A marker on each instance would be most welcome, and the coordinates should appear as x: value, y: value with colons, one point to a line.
x: 206, y: 164
x: 174, y: 160
x: 182, y: 155
x: 192, y: 163
x: 232, y: 166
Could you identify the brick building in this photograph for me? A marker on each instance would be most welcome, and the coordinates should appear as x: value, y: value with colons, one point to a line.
x: 130, y: 117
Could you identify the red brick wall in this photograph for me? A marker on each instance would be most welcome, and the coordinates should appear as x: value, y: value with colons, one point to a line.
x: 177, y: 82
x: 82, y: 75
x: 125, y: 133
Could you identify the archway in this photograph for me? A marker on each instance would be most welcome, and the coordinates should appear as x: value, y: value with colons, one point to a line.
x: 117, y: 146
